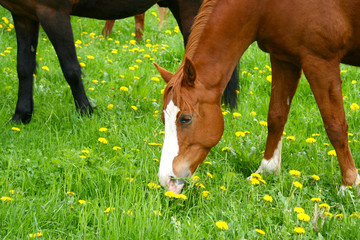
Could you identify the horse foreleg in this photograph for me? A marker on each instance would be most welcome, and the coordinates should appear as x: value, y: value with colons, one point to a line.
x: 285, y: 79
x: 325, y: 82
x: 58, y: 28
x: 106, y: 31
x: 139, y: 26
x: 27, y: 32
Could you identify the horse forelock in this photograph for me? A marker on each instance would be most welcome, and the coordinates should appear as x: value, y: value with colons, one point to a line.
x: 175, y: 88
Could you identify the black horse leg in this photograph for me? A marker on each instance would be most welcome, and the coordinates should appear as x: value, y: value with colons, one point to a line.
x: 27, y: 32
x: 185, y: 12
x: 58, y: 28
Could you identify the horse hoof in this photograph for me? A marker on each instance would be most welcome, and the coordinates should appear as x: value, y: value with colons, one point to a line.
x: 21, y: 118
x: 87, y: 111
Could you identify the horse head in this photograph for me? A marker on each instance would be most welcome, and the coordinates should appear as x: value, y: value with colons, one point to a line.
x: 193, y: 124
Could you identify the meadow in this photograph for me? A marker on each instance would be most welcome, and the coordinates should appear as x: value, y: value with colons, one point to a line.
x: 67, y: 176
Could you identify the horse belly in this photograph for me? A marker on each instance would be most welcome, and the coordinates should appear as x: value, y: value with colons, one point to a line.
x: 110, y: 9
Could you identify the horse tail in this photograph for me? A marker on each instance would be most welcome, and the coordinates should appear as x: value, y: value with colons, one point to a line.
x: 109, y: 24
x: 230, y: 93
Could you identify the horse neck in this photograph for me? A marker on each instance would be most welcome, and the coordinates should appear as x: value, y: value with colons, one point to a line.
x: 231, y: 28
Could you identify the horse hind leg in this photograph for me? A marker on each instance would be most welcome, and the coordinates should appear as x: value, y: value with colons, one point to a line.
x: 27, y: 32
x: 325, y: 82
x: 58, y: 28
x: 285, y: 79
x: 139, y: 26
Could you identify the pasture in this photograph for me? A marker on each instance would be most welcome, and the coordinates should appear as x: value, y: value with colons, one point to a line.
x: 67, y: 176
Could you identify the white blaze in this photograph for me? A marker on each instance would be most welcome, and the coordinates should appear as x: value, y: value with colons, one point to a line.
x: 170, y: 147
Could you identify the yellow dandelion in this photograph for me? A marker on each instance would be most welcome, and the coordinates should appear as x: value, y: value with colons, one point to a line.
x: 46, y: 68
x: 223, y: 188
x: 225, y: 149
x: 180, y: 196
x: 110, y: 106
x: 299, y: 230
x: 240, y: 134
x: 209, y: 174
x: 90, y: 57
x: 325, y: 205
x: 254, y: 181
x: 70, y: 193
x: 205, y: 193
x: 222, y: 225
x: 102, y: 140
x: 115, y: 148
x: 134, y: 108
x: 298, y: 184
x: 103, y: 129
x: 299, y: 210
x: 155, y: 79
x: 332, y: 153
x: 295, y: 173
x: 6, y: 199
x: 339, y: 215
x: 152, y: 185
x: 354, y: 107
x: 195, y: 178
x: 35, y: 235
x: 109, y: 209
x: 16, y: 129
x: 269, y: 78
x: 315, y: 199
x: 291, y: 138
x: 82, y: 201
x: 170, y: 194
x: 263, y: 123
x: 315, y: 177
x: 310, y: 140
x: 157, y: 213
x: 124, y: 89
x: 260, y: 231
x: 82, y: 64
x: 253, y: 114
x: 328, y: 214
x: 268, y: 198
x: 303, y: 217
x: 236, y: 114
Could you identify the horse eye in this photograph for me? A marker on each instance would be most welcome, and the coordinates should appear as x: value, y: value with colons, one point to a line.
x: 185, y: 119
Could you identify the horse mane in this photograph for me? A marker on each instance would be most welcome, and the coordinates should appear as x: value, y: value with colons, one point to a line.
x: 176, y: 85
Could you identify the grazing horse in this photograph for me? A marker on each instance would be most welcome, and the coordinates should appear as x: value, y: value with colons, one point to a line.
x: 313, y: 37
x: 139, y: 24
x: 54, y: 17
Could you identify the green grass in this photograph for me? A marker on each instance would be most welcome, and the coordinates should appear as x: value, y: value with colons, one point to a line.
x: 42, y: 162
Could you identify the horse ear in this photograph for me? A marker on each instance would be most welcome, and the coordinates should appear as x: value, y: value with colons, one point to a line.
x: 189, y: 72
x: 165, y: 74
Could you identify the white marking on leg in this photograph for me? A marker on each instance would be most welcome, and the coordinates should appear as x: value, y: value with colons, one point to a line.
x: 273, y: 164
x: 344, y: 188
x: 170, y: 147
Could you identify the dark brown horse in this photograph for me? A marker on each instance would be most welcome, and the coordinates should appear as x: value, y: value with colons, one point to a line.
x: 313, y: 37
x: 54, y: 17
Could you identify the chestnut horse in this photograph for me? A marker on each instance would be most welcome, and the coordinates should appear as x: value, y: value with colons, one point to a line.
x: 309, y: 36
x: 54, y: 17
x: 139, y: 23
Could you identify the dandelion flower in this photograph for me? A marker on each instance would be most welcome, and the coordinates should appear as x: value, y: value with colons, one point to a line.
x: 268, y: 198
x: 70, y: 193
x: 196, y: 178
x: 124, y: 89
x: 115, y: 148
x: 263, y: 123
x: 225, y: 149
x: 316, y: 199
x: 236, y: 114
x: 90, y: 57
x: 295, y: 173
x: 298, y: 184
x: 315, y: 177
x: 170, y: 194
x: 110, y: 106
x: 269, y: 78
x: 291, y: 138
x: 254, y: 181
x: 206, y: 193
x: 155, y: 79
x: 15, y: 129
x: 134, y: 108
x: 223, y: 188
x: 303, y: 217
x: 240, y: 134
x: 82, y: 201
x: 103, y: 129
x: 102, y: 140
x: 299, y: 230
x: 299, y: 210
x: 325, y: 205
x: 82, y: 64
x: 46, y: 68
x: 328, y: 214
x: 180, y: 196
x: 310, y: 140
x: 332, y: 153
x: 152, y: 185
x: 6, y: 199
x: 260, y: 231
x: 209, y: 174
x: 222, y: 225
x: 339, y: 215
x: 253, y: 114
x: 354, y: 107
x: 109, y: 209
x: 35, y: 235
x: 158, y: 213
